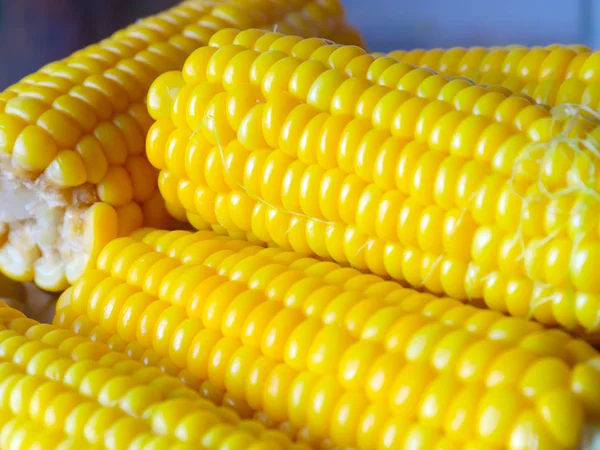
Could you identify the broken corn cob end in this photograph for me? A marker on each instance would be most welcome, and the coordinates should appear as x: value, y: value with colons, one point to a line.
x: 72, y: 136
x: 55, y: 255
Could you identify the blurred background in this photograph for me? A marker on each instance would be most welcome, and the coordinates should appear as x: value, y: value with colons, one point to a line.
x: 35, y: 32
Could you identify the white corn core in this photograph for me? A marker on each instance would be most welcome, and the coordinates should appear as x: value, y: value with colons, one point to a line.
x: 41, y: 228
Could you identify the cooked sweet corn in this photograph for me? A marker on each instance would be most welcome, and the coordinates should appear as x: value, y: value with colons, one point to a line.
x: 437, y: 183
x: 551, y: 75
x: 347, y: 359
x: 74, y: 172
x: 62, y: 391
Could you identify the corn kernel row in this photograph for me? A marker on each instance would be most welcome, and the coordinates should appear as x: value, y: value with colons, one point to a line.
x: 63, y: 391
x: 436, y: 183
x: 551, y: 75
x: 347, y: 359
x: 208, y: 390
x: 531, y: 64
x: 72, y: 136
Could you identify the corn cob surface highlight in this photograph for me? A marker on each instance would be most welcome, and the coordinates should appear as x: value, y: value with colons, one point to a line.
x: 437, y: 183
x: 552, y: 75
x: 63, y: 391
x: 345, y: 359
x: 74, y: 174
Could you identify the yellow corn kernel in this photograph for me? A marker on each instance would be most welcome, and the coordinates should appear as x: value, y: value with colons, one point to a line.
x: 10, y: 130
x: 116, y: 187
x: 159, y: 103
x: 327, y: 349
x: 74, y: 133
x: 319, y: 163
x: 91, y: 396
x: 28, y: 109
x: 26, y: 150
x: 67, y: 169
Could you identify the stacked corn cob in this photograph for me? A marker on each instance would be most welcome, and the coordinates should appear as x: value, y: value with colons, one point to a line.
x: 268, y: 143
x: 432, y: 181
x: 341, y: 358
x: 61, y: 391
x: 74, y: 173
x: 550, y: 75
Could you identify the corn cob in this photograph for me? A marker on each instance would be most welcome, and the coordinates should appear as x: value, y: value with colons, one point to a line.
x: 348, y: 359
x: 74, y: 173
x: 61, y: 391
x: 439, y: 184
x: 551, y: 75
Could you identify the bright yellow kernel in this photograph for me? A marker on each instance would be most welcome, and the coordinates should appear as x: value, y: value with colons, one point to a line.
x: 162, y: 94
x: 34, y: 149
x: 116, y: 186
x: 10, y: 128
x: 67, y: 169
